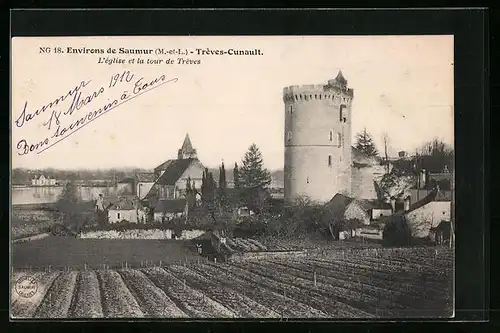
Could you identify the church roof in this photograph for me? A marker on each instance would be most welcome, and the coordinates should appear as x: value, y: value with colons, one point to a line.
x: 174, y: 171
x: 163, y: 166
x: 186, y: 145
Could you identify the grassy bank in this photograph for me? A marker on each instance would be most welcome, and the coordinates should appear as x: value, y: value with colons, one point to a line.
x: 72, y: 252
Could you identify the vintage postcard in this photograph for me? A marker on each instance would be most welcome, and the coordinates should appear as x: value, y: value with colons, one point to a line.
x: 277, y: 177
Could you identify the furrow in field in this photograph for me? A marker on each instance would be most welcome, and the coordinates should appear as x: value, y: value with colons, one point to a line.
x: 384, y: 271
x: 370, y: 282
x: 360, y: 304
x: 242, y: 306
x: 25, y: 307
x: 152, y: 300
x: 275, y: 306
x: 391, y: 302
x: 192, y: 302
x: 57, y: 302
x: 87, y: 302
x: 296, y: 301
x: 118, y: 301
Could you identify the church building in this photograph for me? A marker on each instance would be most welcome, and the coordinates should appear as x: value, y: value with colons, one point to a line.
x: 172, y: 175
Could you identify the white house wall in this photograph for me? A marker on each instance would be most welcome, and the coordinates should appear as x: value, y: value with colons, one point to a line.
x: 128, y: 215
x: 195, y: 172
x: 429, y: 216
x: 143, y: 188
x: 355, y: 211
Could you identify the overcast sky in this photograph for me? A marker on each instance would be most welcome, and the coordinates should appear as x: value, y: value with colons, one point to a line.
x: 402, y: 86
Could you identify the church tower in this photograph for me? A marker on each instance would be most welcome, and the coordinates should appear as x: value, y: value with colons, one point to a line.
x: 318, y: 140
x: 187, y: 150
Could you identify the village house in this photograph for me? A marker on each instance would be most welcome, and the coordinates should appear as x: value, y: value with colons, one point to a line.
x: 144, y: 182
x: 358, y: 214
x: 166, y: 210
x: 126, y: 186
x: 43, y: 181
x: 124, y: 208
x: 427, y: 214
x: 427, y: 182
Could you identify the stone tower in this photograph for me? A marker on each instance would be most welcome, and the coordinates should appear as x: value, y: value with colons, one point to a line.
x: 187, y: 150
x: 318, y: 140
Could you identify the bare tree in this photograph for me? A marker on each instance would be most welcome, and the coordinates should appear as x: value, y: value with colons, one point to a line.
x: 385, y: 138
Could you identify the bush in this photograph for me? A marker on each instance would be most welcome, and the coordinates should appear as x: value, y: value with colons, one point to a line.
x: 396, y: 233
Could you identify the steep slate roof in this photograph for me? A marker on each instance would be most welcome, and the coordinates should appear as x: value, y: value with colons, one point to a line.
x: 336, y: 207
x: 170, y: 206
x: 186, y: 145
x: 145, y: 177
x: 164, y: 165
x: 174, y: 171
x: 341, y: 79
x: 434, y: 195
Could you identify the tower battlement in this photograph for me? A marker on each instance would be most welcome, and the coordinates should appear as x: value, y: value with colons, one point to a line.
x: 336, y: 90
x: 318, y: 139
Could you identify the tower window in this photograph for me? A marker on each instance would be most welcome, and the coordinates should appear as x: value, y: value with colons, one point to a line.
x: 342, y: 117
x: 289, y: 135
x: 118, y: 216
x: 296, y: 98
x: 331, y: 136
x: 329, y: 160
x: 308, y: 183
x: 339, y: 139
x: 291, y: 109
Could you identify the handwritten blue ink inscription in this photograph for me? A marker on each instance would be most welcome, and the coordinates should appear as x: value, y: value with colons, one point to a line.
x: 74, y: 114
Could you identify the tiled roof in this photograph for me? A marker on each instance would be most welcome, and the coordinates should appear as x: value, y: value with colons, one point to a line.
x: 170, y: 206
x: 123, y: 202
x: 174, y: 171
x: 336, y: 207
x: 373, y: 204
x: 145, y: 177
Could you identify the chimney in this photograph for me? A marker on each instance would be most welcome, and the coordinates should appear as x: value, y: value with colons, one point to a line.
x: 407, y: 204
x: 393, y: 204
x: 422, y: 178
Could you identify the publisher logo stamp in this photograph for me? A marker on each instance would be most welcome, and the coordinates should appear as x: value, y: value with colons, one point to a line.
x: 26, y: 286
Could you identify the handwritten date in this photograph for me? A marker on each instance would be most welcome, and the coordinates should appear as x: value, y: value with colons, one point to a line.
x: 80, y: 100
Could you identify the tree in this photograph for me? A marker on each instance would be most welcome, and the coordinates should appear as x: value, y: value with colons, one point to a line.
x: 222, y: 177
x: 221, y: 191
x: 435, y: 156
x: 252, y: 173
x: 236, y: 175
x: 254, y: 179
x: 208, y: 192
x: 70, y: 208
x: 190, y: 194
x: 385, y: 138
x: 365, y: 144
